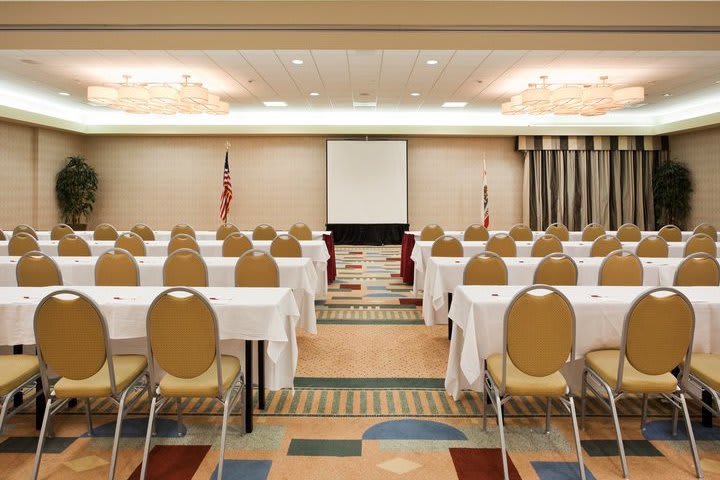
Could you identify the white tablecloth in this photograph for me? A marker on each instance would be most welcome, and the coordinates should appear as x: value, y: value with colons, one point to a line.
x: 574, y: 236
x: 298, y: 274
x: 478, y: 314
x: 165, y: 234
x: 243, y: 314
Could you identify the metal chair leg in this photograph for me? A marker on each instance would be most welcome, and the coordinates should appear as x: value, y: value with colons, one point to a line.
x: 676, y: 413
x: 621, y: 447
x: 484, y: 412
x: 118, y: 429
x: 3, y: 412
x: 583, y: 398
x: 501, y: 428
x: 576, y: 433
x: 548, y: 408
x: 178, y: 404
x: 148, y: 436
x: 88, y: 417
x: 643, y: 417
x: 691, y: 436
x: 41, y: 439
x: 226, y: 414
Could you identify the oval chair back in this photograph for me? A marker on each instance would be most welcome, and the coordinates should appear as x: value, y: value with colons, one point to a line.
x: 698, y: 270
x: 556, y: 269
x: 502, y: 244
x: 224, y: 230
x: 431, y: 233
x: 23, y: 228
x: 521, y: 233
x: 476, y: 233
x: 132, y: 242
x: 3, y: 238
x: 560, y: 231
x: 592, y: 231
x: 186, y: 268
x: 546, y: 245
x: 447, y: 246
x: 603, y: 245
x: 22, y: 243
x: 182, y: 241
x: 264, y: 232
x: 59, y: 231
x: 301, y: 231
x: 182, y: 228
x: 285, y: 246
x: 236, y: 244
x: 653, y: 246
x: 73, y: 246
x: 117, y: 268
x: 708, y: 230
x: 700, y: 243
x: 621, y: 268
x: 105, y: 232
x: 629, y: 232
x: 671, y: 233
x: 36, y: 269
x: 485, y: 268
x: 144, y: 232
x: 256, y: 268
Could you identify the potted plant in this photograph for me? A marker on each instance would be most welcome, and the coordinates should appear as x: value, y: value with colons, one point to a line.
x: 75, y: 188
x: 672, y: 187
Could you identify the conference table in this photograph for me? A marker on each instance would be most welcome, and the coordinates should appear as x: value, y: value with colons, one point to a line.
x: 244, y: 315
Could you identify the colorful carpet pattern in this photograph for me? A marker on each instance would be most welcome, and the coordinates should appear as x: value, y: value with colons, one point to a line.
x: 369, y: 403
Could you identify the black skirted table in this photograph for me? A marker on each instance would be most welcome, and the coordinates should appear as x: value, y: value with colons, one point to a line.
x: 368, y: 233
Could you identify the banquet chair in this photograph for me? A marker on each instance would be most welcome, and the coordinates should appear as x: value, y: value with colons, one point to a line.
x: 502, y: 244
x: 224, y: 230
x: 236, y: 244
x: 132, y: 242
x: 256, y: 268
x: 621, y: 268
x: 485, y: 268
x: 59, y: 231
x: 538, y: 340
x: 117, y: 268
x: 23, y: 228
x: 708, y: 230
x: 17, y: 373
x: 301, y: 231
x: 629, y: 232
x: 182, y: 228
x: 3, y: 238
x: 105, y: 232
x: 72, y: 245
x: 143, y: 231
x: 521, y: 233
x: 545, y: 245
x: 36, y: 269
x: 698, y: 270
x: 476, y: 233
x: 592, y: 231
x: 264, y: 232
x: 182, y: 240
x: 671, y: 233
x: 704, y: 375
x: 447, y: 246
x: 556, y: 269
x: 431, y: 232
x: 657, y: 338
x: 652, y: 246
x: 285, y: 246
x: 700, y: 243
x: 22, y: 243
x: 185, y: 268
x: 559, y: 230
x: 184, y: 343
x: 603, y: 245
x: 72, y: 342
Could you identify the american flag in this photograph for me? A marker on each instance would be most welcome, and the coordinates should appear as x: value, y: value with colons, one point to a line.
x: 226, y: 196
x: 486, y: 200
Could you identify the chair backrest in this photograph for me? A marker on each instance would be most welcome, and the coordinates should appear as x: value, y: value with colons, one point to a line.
x: 59, y: 231
x: 629, y: 232
x: 621, y: 268
x: 431, y: 233
x: 301, y: 231
x: 132, y: 242
x: 264, y: 232
x: 236, y: 244
x: 182, y: 240
x: 447, y: 246
x: 603, y: 245
x: 285, y: 246
x: 485, y: 268
x: 708, y: 230
x: 182, y: 228
x: 117, y: 268
x: 560, y: 231
x: 22, y: 243
x: 73, y: 246
x: 671, y: 233
x: 592, y: 231
x: 502, y: 244
x: 696, y: 270
x: 256, y: 268
x: 224, y: 230
x: 23, y: 228
x: 652, y: 246
x: 521, y: 233
x: 701, y: 243
x: 556, y: 269
x: 476, y: 233
x: 36, y: 269
x: 144, y: 232
x: 546, y: 245
x: 105, y: 232
x: 186, y: 268
x: 3, y: 238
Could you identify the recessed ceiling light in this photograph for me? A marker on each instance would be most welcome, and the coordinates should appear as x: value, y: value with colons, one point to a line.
x: 314, y: 94
x: 364, y: 104
x: 297, y: 61
x: 64, y: 94
x: 667, y: 95
x: 275, y: 104
x: 431, y: 62
x: 454, y: 104
x: 717, y: 82
x: 415, y: 94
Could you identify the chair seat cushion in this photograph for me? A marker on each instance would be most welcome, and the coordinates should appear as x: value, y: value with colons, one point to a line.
x: 127, y: 368
x: 205, y: 384
x: 706, y: 367
x: 519, y: 383
x: 16, y: 370
x: 605, y: 364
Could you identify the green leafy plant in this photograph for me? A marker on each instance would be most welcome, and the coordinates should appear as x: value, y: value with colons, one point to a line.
x: 75, y: 187
x: 672, y: 187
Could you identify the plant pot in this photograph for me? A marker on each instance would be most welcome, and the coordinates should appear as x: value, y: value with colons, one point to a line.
x: 78, y: 226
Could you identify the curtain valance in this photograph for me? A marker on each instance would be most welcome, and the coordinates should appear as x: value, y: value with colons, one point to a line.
x: 588, y: 143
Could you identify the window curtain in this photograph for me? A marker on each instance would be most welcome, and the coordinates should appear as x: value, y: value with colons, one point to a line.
x: 581, y: 180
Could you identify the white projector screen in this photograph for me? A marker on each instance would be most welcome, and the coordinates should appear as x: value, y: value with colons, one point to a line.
x: 367, y: 181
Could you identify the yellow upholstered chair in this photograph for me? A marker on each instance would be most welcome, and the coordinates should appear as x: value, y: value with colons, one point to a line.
x: 556, y: 269
x: 696, y: 270
x: 621, y: 268
x: 705, y: 375
x: 447, y: 246
x: 629, y: 232
x: 236, y: 244
x: 183, y: 341
x: 708, y: 230
x: 521, y: 233
x: 144, y: 232
x: 59, y: 231
x: 592, y: 231
x: 560, y: 231
x: 431, y: 233
x: 657, y: 338
x: 301, y: 231
x: 652, y: 246
x: 264, y: 232
x: 17, y: 373
x: 603, y: 245
x: 36, y: 269
x: 117, y: 268
x: 546, y: 245
x: 476, y: 233
x: 72, y: 342
x: 3, y: 238
x: 105, y: 232
x: 22, y: 228
x: 256, y: 268
x: 182, y: 240
x: 485, y: 268
x: 700, y: 243
x: 285, y: 246
x: 538, y: 340
x: 671, y: 233
x: 72, y: 245
x: 186, y: 268
x: 132, y: 242
x: 22, y: 243
x: 182, y: 228
x: 502, y: 244
x: 224, y: 230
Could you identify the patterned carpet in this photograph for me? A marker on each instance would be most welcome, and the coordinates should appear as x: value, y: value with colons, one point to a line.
x: 375, y: 374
